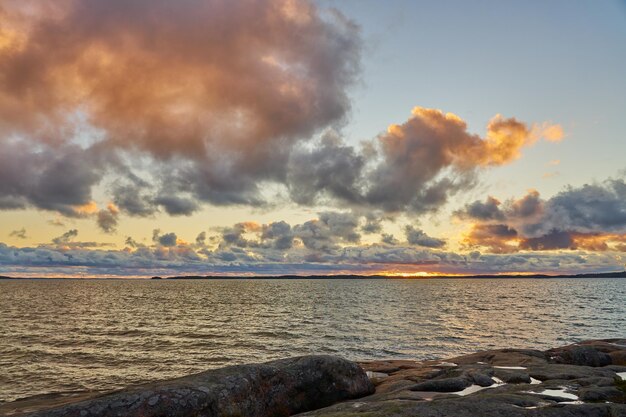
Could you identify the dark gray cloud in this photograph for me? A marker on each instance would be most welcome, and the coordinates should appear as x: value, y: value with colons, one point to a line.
x: 177, y: 206
x: 201, y: 239
x: 65, y: 237
x: 20, y: 234
x: 331, y: 170
x: 389, y: 239
x: 278, y: 234
x: 328, y: 231
x: 554, y: 240
x: 591, y: 208
x: 167, y: 239
x: 488, y: 210
x: 420, y: 238
x: 234, y: 236
x: 107, y: 219
x: 590, y: 217
x: 57, y: 178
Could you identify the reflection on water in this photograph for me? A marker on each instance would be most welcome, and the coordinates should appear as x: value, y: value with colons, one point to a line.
x: 65, y: 335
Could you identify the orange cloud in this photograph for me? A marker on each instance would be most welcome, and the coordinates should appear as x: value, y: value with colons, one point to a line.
x: 495, y: 238
x: 86, y: 209
x: 192, y: 79
x: 444, y: 137
x: 551, y: 133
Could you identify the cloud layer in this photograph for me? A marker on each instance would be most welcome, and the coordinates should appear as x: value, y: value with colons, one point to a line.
x: 329, y: 243
x: 591, y: 217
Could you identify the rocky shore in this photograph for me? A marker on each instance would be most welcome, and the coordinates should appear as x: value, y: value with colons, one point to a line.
x: 584, y: 379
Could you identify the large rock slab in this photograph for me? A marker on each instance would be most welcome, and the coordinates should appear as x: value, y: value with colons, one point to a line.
x: 279, y: 388
x: 576, y: 380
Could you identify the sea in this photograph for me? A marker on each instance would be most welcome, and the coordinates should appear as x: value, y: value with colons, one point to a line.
x: 71, y: 335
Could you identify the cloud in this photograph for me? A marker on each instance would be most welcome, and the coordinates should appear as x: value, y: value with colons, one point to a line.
x: 261, y: 80
x: 19, y: 234
x: 414, y: 167
x: 328, y: 231
x: 552, y: 133
x: 177, y: 206
x: 235, y: 235
x: 590, y: 217
x: 496, y: 238
x: 279, y: 235
x: 260, y: 77
x: 330, y: 170
x: 368, y: 259
x: 167, y: 239
x: 107, y: 219
x: 432, y: 156
x: 56, y: 178
x: 130, y: 197
x: 65, y: 237
x: 484, y: 211
x: 56, y: 222
x: 418, y: 237
x: 201, y: 239
x: 389, y: 239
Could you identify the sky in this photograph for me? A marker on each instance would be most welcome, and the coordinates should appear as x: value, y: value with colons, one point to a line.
x: 152, y: 137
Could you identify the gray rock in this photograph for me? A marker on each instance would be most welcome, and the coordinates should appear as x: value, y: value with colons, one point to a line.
x: 580, y: 355
x: 567, y: 372
x: 600, y: 394
x: 278, y: 388
x: 482, y: 379
x: 513, y: 376
x: 475, y: 406
x: 597, y: 381
x: 443, y: 385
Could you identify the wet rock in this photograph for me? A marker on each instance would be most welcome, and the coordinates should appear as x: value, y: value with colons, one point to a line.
x: 278, y: 388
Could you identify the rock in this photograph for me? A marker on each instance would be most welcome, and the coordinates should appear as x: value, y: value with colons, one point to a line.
x: 595, y: 380
x: 443, y: 385
x: 278, y: 388
x: 567, y: 372
x: 512, y: 376
x: 504, y: 357
x: 436, y: 394
x: 476, y: 406
x: 481, y: 379
x: 580, y: 355
x: 618, y: 357
x: 600, y: 394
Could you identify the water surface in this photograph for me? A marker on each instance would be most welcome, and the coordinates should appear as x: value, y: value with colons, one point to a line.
x: 69, y: 335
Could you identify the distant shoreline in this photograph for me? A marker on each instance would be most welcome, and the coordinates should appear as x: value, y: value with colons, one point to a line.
x: 621, y: 274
